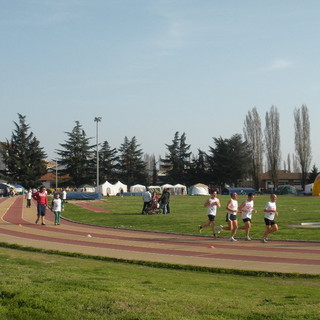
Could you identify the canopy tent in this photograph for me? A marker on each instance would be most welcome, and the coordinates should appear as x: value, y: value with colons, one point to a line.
x: 308, y: 189
x: 118, y: 186
x: 199, y: 189
x: 157, y: 189
x: 106, y: 189
x: 286, y: 190
x: 180, y: 189
x: 138, y: 188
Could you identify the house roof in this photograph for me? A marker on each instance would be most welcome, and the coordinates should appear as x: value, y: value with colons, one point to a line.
x: 283, y: 175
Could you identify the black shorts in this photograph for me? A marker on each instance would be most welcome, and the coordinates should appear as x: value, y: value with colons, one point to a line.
x: 231, y: 217
x: 211, y: 217
x: 246, y: 220
x: 269, y: 222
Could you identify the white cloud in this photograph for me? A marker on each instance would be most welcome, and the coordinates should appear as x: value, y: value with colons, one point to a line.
x: 280, y: 64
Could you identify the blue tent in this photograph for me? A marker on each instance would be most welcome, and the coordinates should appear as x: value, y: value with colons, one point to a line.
x: 239, y: 191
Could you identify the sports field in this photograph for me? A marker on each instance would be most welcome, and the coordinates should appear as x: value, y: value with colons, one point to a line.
x: 40, y: 282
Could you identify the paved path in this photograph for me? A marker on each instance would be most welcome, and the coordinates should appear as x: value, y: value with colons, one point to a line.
x: 17, y: 226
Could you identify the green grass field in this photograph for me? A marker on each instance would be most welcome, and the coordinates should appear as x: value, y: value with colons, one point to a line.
x: 37, y: 286
x: 41, y: 286
x: 187, y: 212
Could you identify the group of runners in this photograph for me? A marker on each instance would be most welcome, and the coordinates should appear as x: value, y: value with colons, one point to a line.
x: 246, y: 209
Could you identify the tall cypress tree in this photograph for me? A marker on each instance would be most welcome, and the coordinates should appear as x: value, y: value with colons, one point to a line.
x: 23, y: 158
x: 77, y: 157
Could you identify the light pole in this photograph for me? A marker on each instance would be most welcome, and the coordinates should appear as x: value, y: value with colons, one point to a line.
x: 56, y: 174
x: 97, y: 120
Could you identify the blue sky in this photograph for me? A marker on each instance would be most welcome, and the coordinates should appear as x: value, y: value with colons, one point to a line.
x: 150, y: 68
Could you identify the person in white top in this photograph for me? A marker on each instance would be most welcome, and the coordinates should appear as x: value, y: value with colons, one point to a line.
x: 270, y: 211
x: 212, y: 204
x: 146, y: 197
x: 57, y: 207
x: 28, y: 198
x: 246, y: 209
x: 232, y: 210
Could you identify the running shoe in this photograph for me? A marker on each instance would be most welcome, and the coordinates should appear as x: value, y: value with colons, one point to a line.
x: 200, y: 228
x: 219, y: 229
x: 247, y: 238
x: 264, y: 240
x: 232, y: 239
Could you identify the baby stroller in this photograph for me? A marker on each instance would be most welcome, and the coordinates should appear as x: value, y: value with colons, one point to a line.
x: 153, y: 207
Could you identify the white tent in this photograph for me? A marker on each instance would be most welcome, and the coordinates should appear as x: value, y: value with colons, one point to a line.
x: 118, y: 186
x: 138, y: 188
x: 199, y: 189
x: 157, y: 189
x: 180, y: 189
x: 308, y: 188
x: 107, y: 189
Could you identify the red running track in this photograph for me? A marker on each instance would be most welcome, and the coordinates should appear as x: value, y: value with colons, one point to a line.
x: 18, y: 227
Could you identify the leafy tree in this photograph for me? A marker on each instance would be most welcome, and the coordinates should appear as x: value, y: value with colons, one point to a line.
x: 228, y: 160
x: 176, y: 163
x: 108, y: 162
x: 302, y: 141
x: 77, y: 157
x: 24, y: 159
x: 253, y: 136
x: 132, y: 168
x: 272, y: 142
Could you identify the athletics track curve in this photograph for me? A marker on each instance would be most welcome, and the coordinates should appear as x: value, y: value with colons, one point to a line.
x: 17, y: 226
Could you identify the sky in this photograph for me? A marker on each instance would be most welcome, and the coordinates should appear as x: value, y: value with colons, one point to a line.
x: 150, y: 68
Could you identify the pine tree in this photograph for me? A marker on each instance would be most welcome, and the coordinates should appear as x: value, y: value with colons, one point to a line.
x: 108, y: 162
x: 176, y: 163
x: 132, y: 168
x: 77, y: 157
x: 23, y: 158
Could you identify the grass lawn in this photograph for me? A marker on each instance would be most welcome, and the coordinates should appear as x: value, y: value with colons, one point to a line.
x: 42, y: 286
x: 187, y: 212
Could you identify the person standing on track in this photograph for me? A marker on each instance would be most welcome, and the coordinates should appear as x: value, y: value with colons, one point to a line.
x: 42, y: 203
x: 28, y: 198
x: 270, y: 210
x: 57, y: 207
x: 212, y: 204
x: 246, y: 209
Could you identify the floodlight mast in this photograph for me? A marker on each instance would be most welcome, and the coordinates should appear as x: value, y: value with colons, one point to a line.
x: 97, y: 120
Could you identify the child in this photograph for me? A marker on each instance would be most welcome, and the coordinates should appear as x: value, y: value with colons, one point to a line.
x: 57, y: 207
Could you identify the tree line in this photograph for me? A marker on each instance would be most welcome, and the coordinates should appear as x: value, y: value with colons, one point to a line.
x: 229, y: 161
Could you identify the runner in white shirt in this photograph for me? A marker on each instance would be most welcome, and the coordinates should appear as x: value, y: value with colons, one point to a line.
x: 212, y: 204
x: 270, y: 212
x: 246, y: 209
x: 232, y: 210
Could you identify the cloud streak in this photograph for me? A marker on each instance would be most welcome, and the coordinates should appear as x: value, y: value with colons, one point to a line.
x: 280, y: 64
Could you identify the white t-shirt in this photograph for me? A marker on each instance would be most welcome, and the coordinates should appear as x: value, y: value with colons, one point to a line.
x: 212, y: 207
x: 270, y: 206
x: 147, y: 196
x: 57, y: 205
x: 246, y: 210
x: 234, y: 206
